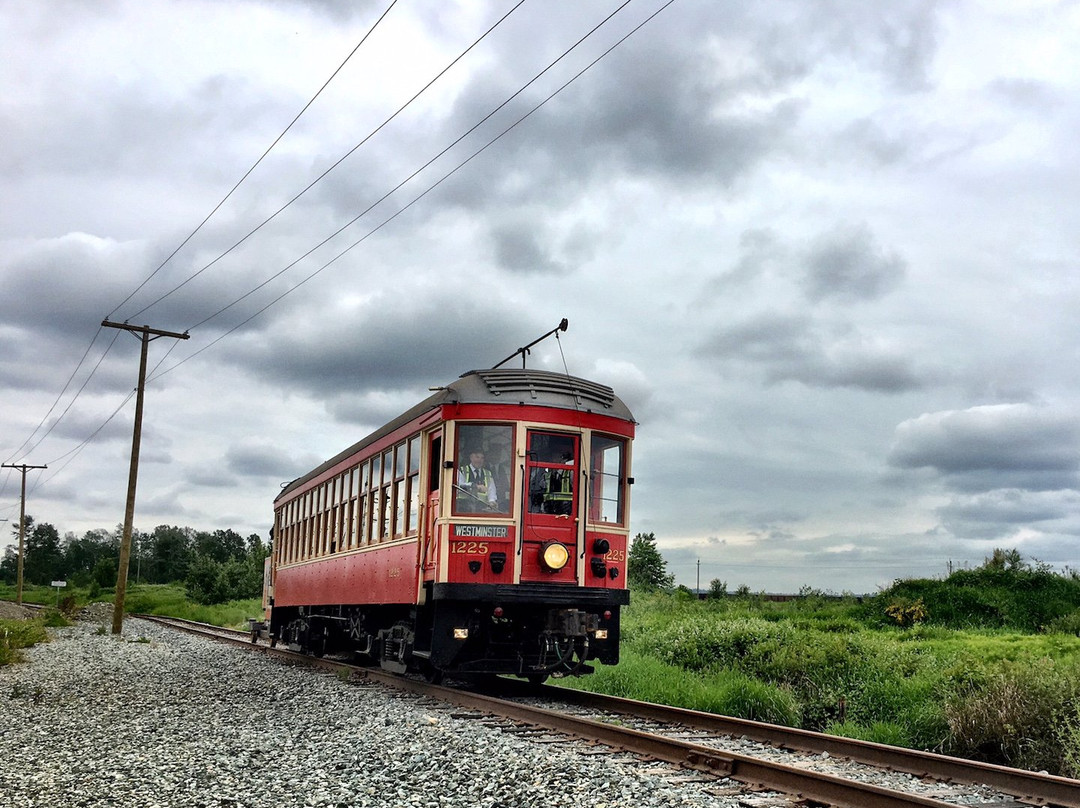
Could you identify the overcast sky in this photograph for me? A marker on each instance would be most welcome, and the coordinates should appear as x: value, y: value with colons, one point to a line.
x: 826, y: 252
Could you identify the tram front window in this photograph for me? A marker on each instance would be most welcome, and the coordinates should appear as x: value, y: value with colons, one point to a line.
x: 483, y: 469
x: 552, y: 473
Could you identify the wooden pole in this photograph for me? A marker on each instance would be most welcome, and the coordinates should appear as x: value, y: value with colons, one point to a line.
x: 146, y: 334
x: 22, y: 526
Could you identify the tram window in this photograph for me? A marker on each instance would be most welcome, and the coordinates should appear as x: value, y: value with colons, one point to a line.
x: 348, y: 509
x: 364, y: 504
x: 552, y: 473
x: 385, y: 517
x: 435, y: 465
x: 375, y: 505
x: 484, y: 468
x: 607, y: 464
x: 412, y: 491
x: 400, y: 465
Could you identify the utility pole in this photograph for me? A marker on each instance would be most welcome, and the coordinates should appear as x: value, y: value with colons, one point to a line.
x: 22, y: 524
x: 146, y: 335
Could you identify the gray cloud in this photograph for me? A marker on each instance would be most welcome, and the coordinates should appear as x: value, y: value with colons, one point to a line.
x: 996, y: 446
x: 793, y: 348
x: 1002, y: 511
x: 778, y: 231
x: 848, y: 265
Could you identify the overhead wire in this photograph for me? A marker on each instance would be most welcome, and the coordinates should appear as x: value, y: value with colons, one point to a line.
x: 340, y: 160
x: 75, y: 397
x: 19, y: 451
x: 415, y: 173
x: 400, y: 211
x: 247, y: 173
x: 67, y: 384
x: 69, y: 456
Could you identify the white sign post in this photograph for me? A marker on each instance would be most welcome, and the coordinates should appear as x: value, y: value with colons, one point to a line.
x: 59, y: 585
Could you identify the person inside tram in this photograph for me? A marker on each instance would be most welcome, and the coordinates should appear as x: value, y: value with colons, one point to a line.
x: 476, y: 484
x: 559, y: 496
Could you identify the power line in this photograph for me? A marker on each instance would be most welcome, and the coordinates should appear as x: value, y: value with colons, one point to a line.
x: 73, y: 399
x: 247, y: 173
x: 339, y: 161
x: 413, y: 175
x: 389, y: 219
x: 155, y: 374
x: 171, y: 255
x: 67, y: 384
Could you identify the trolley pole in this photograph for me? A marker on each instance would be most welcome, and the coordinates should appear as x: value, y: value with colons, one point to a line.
x: 22, y: 525
x: 146, y: 335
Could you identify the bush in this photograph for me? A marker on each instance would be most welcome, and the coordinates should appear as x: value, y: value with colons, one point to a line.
x: 211, y: 581
x: 642, y: 677
x: 18, y: 634
x: 1066, y: 624
x: 1017, y: 715
x: 1069, y: 734
x: 1003, y: 593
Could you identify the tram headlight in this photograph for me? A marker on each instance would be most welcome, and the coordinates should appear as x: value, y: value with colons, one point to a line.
x: 554, y: 556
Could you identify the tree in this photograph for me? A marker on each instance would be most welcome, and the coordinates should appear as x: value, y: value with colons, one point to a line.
x: 220, y: 546
x: 82, y: 556
x: 9, y: 567
x: 717, y: 589
x: 646, y: 569
x: 170, y: 554
x: 44, y: 560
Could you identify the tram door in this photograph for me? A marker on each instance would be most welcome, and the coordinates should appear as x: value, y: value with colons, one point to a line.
x: 550, y: 524
x: 429, y: 540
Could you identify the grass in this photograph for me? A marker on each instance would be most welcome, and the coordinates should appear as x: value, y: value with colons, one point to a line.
x: 17, y: 635
x: 166, y: 600
x: 1005, y: 696
x: 170, y: 600
x: 642, y: 677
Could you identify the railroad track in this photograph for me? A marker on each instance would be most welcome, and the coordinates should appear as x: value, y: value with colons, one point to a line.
x: 787, y: 760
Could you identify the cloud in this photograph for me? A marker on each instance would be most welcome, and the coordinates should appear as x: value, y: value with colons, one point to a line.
x: 849, y: 266
x: 1002, y: 446
x: 789, y: 347
x: 999, y: 513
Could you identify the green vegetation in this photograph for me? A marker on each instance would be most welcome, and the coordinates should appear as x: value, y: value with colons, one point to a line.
x: 169, y: 600
x: 214, y: 567
x: 984, y: 664
x: 172, y: 601
x: 15, y: 635
x: 646, y: 569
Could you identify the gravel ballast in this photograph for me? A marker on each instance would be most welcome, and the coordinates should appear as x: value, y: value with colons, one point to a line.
x: 158, y: 718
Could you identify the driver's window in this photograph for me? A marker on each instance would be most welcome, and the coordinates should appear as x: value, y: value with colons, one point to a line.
x: 482, y: 471
x: 552, y: 473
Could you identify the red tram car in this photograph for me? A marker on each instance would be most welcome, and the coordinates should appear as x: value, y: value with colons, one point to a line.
x: 485, y: 531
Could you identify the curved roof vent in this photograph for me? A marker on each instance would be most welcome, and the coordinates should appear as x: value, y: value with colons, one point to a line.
x: 538, y: 383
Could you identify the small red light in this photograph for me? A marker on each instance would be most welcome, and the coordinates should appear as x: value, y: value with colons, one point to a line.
x: 607, y: 615
x: 498, y: 611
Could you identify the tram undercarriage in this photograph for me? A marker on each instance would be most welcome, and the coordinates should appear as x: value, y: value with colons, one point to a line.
x: 533, y: 641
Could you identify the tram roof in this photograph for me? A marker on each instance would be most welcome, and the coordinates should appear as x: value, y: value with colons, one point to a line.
x: 541, y: 388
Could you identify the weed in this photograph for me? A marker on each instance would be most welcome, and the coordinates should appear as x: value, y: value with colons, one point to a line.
x: 1015, y: 715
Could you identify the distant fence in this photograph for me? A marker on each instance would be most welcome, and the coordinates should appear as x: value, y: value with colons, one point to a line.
x: 780, y: 598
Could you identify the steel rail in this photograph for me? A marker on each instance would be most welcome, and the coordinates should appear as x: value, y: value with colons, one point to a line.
x: 1036, y: 788
x: 754, y: 773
